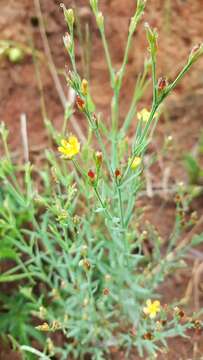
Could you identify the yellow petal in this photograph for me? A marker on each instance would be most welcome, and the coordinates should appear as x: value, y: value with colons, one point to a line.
x: 64, y: 142
x: 152, y: 315
x: 157, y: 303
x: 61, y: 149
x: 148, y: 302
x: 72, y: 140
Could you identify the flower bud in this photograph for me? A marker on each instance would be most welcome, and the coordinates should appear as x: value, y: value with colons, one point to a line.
x: 80, y: 103
x: 100, y: 20
x: 152, y: 37
x: 67, y: 41
x: 84, y: 87
x: 15, y: 55
x: 117, y: 173
x: 139, y: 12
x: 98, y: 158
x: 196, y: 52
x: 91, y: 175
x: 162, y: 84
x: 136, y: 162
x: 69, y: 16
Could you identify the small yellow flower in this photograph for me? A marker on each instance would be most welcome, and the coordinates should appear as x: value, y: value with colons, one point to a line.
x: 136, y: 162
x: 69, y: 147
x: 152, y: 308
x: 143, y: 115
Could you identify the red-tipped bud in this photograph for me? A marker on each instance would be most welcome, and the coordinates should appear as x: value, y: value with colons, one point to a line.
x: 80, y: 103
x: 117, y: 173
x: 162, y: 83
x: 91, y: 175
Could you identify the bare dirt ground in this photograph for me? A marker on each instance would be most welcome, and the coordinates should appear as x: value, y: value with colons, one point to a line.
x: 179, y: 23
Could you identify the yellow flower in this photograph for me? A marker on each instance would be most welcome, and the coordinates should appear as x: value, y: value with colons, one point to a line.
x: 136, y: 162
x: 69, y: 147
x: 152, y: 308
x: 143, y: 115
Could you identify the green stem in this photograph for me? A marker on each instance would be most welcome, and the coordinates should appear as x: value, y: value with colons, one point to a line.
x: 115, y: 120
x: 154, y: 80
x: 140, y: 87
x: 121, y: 206
x: 108, y: 57
x: 102, y: 204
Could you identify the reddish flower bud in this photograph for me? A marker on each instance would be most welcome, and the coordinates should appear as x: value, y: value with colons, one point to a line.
x: 117, y: 173
x: 91, y: 175
x: 162, y: 83
x: 80, y: 103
